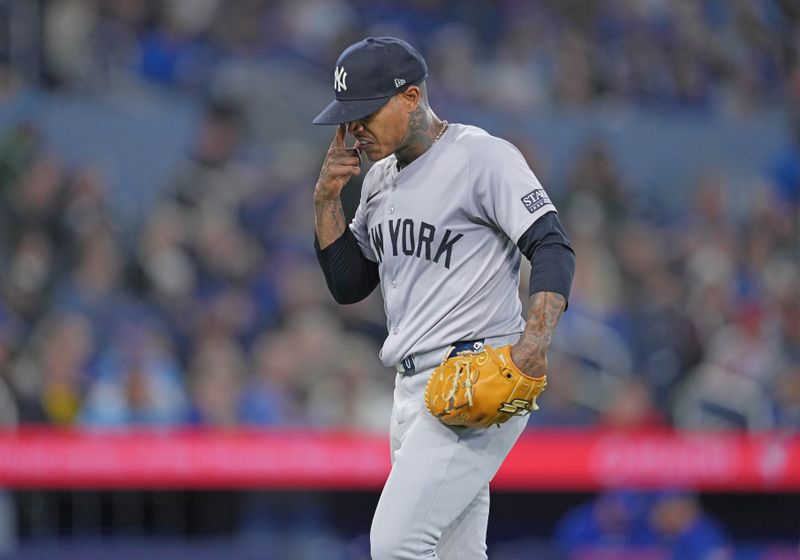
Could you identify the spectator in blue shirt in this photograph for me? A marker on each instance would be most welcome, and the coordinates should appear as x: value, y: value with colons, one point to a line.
x: 679, y: 524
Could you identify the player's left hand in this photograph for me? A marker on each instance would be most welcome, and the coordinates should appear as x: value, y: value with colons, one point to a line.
x: 478, y: 389
x: 529, y: 358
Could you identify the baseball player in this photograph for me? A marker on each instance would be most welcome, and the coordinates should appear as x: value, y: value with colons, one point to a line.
x: 445, y: 215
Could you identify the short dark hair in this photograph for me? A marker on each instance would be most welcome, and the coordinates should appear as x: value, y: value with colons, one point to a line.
x: 226, y: 111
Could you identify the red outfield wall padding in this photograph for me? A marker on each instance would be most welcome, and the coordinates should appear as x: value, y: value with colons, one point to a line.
x: 542, y: 460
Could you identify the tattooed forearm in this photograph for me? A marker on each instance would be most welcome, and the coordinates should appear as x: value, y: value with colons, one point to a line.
x: 329, y: 221
x: 530, y: 353
x: 340, y: 164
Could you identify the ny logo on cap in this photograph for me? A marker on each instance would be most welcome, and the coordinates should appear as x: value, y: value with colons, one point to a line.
x: 339, y: 77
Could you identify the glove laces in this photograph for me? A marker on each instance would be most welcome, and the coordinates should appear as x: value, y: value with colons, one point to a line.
x: 465, y: 375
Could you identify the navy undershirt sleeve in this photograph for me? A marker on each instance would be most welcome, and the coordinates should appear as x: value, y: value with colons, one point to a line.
x: 349, y: 274
x: 548, y: 248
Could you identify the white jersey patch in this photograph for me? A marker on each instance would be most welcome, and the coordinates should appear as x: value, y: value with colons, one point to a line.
x: 443, y: 232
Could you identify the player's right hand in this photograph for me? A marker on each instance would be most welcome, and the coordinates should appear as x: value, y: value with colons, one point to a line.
x: 340, y: 164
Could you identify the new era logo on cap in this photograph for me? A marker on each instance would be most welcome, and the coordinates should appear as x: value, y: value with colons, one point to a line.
x: 377, y: 69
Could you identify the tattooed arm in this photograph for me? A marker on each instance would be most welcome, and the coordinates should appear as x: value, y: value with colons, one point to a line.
x: 530, y: 353
x: 329, y: 220
x: 349, y: 274
x: 340, y: 164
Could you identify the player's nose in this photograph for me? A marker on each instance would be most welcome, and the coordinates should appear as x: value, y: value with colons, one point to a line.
x: 354, y: 126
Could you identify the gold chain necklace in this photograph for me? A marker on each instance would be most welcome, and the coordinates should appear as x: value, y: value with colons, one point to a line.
x: 445, y: 124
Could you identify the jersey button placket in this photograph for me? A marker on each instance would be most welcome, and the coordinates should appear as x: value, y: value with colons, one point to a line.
x: 395, y: 330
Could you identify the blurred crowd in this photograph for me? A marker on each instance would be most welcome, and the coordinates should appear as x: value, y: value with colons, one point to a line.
x: 214, y: 311
x: 509, y: 55
x: 627, y: 525
x: 215, y: 314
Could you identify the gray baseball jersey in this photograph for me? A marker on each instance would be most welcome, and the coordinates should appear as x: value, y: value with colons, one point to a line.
x: 443, y: 231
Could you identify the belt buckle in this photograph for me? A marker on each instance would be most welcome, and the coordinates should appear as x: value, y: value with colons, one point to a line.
x: 467, y: 346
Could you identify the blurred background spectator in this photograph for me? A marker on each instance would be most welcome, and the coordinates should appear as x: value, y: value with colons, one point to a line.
x: 623, y: 524
x: 613, y: 524
x: 678, y: 523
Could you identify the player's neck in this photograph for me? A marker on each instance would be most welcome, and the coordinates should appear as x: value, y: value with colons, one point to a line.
x: 424, y: 128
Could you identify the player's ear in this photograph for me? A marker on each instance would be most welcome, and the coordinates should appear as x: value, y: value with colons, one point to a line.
x: 411, y: 98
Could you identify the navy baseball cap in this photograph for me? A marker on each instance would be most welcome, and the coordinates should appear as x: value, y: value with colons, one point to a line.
x: 367, y: 74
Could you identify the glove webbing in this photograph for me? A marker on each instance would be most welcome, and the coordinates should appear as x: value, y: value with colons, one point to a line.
x: 463, y: 368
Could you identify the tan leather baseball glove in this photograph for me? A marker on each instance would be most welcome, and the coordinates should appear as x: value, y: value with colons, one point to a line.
x: 478, y: 389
